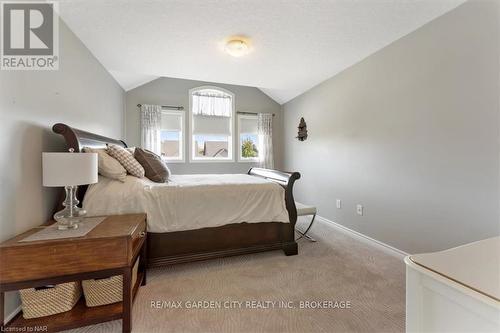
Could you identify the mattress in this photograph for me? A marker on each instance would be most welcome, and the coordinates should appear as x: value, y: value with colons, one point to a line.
x: 189, y: 202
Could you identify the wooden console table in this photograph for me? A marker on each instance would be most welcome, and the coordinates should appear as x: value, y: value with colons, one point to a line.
x: 111, y: 248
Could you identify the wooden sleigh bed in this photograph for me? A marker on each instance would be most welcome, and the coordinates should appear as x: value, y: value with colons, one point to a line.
x: 206, y: 243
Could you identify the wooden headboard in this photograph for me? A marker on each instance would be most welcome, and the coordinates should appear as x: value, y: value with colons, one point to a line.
x: 77, y: 139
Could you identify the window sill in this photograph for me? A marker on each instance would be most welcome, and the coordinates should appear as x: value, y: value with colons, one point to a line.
x: 248, y: 161
x: 211, y: 160
x: 173, y: 161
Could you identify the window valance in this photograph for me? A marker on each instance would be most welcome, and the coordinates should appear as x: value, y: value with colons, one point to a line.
x: 212, y: 103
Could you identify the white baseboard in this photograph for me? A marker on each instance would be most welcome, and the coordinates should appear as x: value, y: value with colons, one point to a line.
x: 10, y: 316
x: 381, y: 245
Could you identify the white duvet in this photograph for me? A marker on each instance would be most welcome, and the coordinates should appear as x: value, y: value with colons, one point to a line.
x: 189, y: 202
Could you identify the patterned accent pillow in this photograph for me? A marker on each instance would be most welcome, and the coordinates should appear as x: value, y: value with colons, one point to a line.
x: 107, y: 165
x: 127, y: 160
x: 155, y: 168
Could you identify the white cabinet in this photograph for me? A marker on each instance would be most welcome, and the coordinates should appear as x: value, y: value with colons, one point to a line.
x: 456, y: 290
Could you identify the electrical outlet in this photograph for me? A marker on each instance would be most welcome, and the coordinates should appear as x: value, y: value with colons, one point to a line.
x: 359, y: 209
x: 339, y: 204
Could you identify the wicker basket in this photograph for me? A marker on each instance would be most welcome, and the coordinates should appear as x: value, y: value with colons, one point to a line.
x: 106, y: 291
x: 49, y: 300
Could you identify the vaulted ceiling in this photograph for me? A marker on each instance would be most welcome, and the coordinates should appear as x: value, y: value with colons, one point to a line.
x: 295, y: 44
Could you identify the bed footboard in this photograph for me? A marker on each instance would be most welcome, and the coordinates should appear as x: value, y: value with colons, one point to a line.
x: 287, y: 180
x: 231, y: 239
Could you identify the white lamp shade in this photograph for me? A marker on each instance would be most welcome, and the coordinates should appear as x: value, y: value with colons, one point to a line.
x: 69, y: 169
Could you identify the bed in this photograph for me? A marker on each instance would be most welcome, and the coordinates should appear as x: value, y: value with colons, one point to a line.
x: 197, y: 217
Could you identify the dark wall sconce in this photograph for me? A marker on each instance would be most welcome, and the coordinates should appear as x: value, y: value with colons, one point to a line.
x: 302, y: 134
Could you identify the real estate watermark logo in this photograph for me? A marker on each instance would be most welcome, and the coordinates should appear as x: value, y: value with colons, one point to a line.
x: 29, y: 35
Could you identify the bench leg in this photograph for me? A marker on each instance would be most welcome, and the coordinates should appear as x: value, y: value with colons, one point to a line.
x: 304, y: 234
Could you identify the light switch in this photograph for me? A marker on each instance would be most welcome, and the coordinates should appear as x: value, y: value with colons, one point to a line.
x: 359, y: 209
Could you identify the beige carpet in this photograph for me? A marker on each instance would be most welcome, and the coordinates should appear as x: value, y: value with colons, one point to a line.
x: 337, y: 268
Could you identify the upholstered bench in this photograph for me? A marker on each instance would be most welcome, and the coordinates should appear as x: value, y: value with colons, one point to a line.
x: 304, y: 210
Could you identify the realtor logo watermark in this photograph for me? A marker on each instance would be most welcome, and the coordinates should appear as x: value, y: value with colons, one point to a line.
x: 29, y: 35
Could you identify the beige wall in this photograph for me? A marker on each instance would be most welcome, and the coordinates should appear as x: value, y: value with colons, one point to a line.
x: 82, y: 94
x: 170, y: 91
x: 412, y: 133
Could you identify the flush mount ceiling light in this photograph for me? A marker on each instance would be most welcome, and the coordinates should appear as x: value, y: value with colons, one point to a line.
x: 236, y: 47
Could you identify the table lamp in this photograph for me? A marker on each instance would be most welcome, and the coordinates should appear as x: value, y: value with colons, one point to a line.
x: 69, y: 170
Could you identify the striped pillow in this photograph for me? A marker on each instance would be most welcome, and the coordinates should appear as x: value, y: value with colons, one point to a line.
x: 127, y: 160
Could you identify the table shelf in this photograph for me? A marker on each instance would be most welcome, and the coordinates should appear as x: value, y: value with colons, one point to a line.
x: 80, y: 315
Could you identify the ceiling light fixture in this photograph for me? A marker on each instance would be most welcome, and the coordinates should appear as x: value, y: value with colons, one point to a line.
x: 236, y: 47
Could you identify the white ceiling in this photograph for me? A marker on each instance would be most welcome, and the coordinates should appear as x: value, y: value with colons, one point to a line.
x: 130, y: 80
x: 296, y: 44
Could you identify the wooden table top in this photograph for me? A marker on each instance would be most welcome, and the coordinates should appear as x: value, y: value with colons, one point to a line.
x: 112, y: 244
x: 114, y: 226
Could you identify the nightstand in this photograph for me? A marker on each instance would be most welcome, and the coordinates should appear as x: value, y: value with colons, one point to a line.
x: 111, y: 248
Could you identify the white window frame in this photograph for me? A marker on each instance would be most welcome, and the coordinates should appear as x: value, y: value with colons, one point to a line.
x: 192, y: 158
x: 182, y: 138
x: 242, y: 159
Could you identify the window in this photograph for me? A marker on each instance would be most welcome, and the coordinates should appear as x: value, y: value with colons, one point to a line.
x: 211, y: 124
x: 248, y: 138
x: 172, y: 136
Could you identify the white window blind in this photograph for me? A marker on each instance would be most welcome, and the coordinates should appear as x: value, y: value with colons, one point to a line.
x: 171, y: 122
x: 248, y: 125
x: 211, y: 125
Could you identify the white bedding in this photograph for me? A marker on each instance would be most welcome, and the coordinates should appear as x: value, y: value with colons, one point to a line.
x: 190, y: 201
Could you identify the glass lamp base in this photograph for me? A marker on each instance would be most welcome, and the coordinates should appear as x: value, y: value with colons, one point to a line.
x: 66, y: 225
x: 69, y: 217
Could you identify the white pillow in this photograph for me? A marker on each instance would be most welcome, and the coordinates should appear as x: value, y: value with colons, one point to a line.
x: 107, y: 165
x: 127, y: 160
